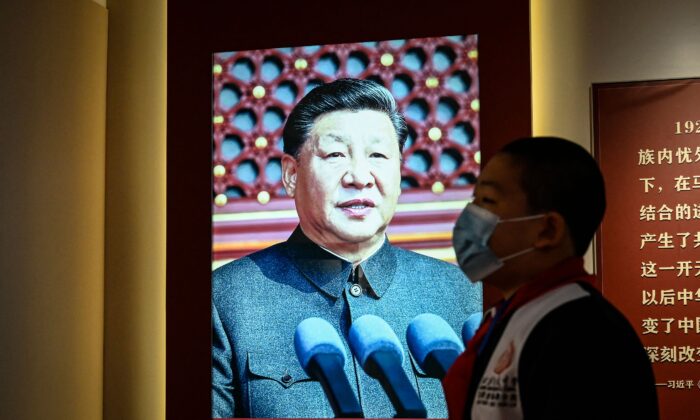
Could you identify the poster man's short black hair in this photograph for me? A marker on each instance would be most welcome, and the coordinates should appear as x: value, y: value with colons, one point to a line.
x: 560, y: 175
x: 341, y: 94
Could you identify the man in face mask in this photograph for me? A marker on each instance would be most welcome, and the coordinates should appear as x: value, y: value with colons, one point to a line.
x: 553, y: 347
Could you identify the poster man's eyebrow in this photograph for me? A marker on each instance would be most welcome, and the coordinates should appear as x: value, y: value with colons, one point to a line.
x: 335, y: 137
x: 378, y: 139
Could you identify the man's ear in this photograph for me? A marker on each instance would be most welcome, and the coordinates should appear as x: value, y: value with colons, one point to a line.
x: 553, y: 233
x: 290, y: 168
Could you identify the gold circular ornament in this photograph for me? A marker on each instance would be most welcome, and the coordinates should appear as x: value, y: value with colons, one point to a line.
x: 261, y: 142
x: 475, y: 105
x: 438, y: 187
x: 435, y: 134
x: 301, y: 64
x: 263, y: 197
x: 217, y: 69
x: 219, y: 171
x: 218, y: 119
x: 477, y: 157
x: 221, y: 200
x: 432, y: 82
x: 259, y: 92
x: 386, y: 59
x: 473, y: 54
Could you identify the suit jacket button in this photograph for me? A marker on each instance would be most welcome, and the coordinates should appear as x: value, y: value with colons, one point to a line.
x: 355, y: 290
x: 287, y: 378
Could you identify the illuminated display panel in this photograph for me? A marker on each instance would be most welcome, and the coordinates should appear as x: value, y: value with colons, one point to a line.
x: 434, y: 82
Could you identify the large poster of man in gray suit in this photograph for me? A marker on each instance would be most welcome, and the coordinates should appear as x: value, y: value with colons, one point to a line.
x: 342, y: 167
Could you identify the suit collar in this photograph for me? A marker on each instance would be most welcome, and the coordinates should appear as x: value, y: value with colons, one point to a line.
x: 330, y: 273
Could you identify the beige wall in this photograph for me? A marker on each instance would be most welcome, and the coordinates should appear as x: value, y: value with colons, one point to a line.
x: 579, y: 42
x: 82, y: 213
x: 53, y: 63
x: 58, y: 249
x: 576, y: 43
x: 134, y: 386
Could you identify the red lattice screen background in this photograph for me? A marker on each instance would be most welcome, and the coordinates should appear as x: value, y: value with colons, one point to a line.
x: 435, y: 82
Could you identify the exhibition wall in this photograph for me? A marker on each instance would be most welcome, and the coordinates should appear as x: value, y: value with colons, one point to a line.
x: 53, y: 72
x: 134, y: 334
x: 53, y: 260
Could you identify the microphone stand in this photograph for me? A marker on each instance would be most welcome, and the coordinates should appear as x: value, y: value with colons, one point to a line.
x: 328, y: 370
x: 382, y: 365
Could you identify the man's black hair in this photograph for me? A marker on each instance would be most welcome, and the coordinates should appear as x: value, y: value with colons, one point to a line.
x: 559, y: 175
x: 341, y: 94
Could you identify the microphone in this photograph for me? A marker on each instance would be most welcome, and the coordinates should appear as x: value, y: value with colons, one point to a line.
x: 322, y: 355
x: 433, y: 343
x: 381, y: 355
x: 470, y: 326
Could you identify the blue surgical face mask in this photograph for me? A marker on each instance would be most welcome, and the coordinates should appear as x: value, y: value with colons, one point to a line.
x: 470, y: 239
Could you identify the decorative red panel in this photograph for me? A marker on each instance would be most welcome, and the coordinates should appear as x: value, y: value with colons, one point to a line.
x: 434, y: 80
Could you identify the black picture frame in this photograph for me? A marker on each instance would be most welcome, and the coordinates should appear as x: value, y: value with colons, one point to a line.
x: 197, y: 30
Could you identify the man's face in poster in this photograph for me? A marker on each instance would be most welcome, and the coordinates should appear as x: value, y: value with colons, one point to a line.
x: 346, y: 178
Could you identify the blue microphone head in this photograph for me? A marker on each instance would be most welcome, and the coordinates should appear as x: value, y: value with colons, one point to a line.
x: 316, y: 336
x: 471, y: 325
x: 370, y: 333
x: 428, y: 332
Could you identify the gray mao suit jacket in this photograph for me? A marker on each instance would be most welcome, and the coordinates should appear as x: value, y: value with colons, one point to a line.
x: 259, y: 300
